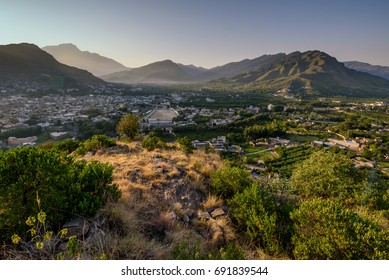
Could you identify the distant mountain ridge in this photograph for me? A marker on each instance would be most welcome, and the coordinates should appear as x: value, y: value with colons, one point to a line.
x: 310, y: 72
x: 27, y: 66
x: 96, y: 64
x: 376, y: 70
x: 161, y: 72
x: 170, y: 72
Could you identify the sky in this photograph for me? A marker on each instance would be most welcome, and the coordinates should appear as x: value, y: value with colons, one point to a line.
x: 205, y: 33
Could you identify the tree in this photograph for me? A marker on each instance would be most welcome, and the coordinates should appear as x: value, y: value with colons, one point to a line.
x: 128, y: 125
x: 325, y: 229
x: 327, y: 174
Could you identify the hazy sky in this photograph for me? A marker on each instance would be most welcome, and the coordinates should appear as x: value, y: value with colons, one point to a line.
x: 202, y: 32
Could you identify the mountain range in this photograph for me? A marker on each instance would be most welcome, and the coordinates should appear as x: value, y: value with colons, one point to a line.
x: 96, y: 64
x: 310, y: 72
x: 300, y: 72
x: 27, y: 66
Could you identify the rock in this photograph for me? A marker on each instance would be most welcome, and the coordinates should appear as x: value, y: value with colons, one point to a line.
x: 217, y: 213
x: 159, y: 171
x: 204, y: 215
x: 78, y: 227
x: 189, y: 213
x: 185, y: 218
x: 171, y: 215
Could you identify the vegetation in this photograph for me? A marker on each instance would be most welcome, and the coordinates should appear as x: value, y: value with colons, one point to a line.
x: 325, y: 229
x: 63, y: 186
x: 327, y: 174
x: 128, y: 125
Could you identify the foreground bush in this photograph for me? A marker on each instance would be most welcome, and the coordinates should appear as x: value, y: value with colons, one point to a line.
x: 98, y: 141
x: 37, y: 179
x: 325, y: 229
x: 229, y: 181
x: 265, y: 221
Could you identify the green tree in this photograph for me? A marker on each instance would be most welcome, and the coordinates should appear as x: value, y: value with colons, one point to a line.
x: 327, y: 174
x: 128, y: 125
x: 325, y: 229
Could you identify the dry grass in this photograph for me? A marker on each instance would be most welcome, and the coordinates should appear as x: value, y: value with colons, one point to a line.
x: 213, y: 202
x: 141, y: 222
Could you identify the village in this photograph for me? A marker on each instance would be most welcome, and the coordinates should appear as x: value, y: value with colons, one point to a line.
x: 58, y: 116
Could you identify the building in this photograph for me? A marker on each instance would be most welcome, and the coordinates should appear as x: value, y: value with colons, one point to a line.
x: 59, y: 135
x: 14, y: 141
x: 160, y: 117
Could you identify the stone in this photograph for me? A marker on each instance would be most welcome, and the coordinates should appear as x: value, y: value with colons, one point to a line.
x: 78, y: 227
x: 217, y: 213
x: 204, y: 215
x: 171, y: 215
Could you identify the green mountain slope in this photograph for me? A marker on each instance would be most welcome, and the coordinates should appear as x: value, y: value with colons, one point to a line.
x: 310, y: 72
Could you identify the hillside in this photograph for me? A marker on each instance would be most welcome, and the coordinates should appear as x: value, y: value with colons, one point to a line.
x: 98, y: 65
x: 244, y: 66
x: 162, y: 72
x: 25, y: 66
x: 376, y: 70
x: 310, y: 72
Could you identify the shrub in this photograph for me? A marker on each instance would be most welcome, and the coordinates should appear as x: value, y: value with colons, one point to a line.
x: 186, y: 144
x: 65, y: 187
x: 326, y: 174
x: 98, y: 141
x: 325, y: 229
x: 266, y: 222
x: 228, y: 181
x: 153, y: 142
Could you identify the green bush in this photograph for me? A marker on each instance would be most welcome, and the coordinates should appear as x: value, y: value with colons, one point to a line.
x: 229, y: 181
x: 266, y: 221
x: 186, y: 144
x: 97, y: 142
x: 34, y: 179
x: 153, y: 142
x: 327, y: 174
x: 325, y: 229
x: 68, y: 145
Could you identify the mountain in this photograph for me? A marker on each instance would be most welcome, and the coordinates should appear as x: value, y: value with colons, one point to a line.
x: 235, y: 68
x: 376, y: 70
x: 162, y: 72
x: 26, y: 66
x: 98, y: 65
x: 170, y: 72
x: 192, y: 70
x: 310, y: 72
